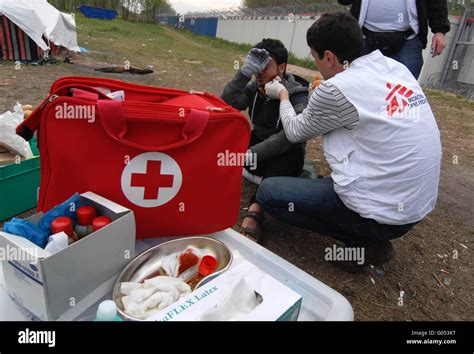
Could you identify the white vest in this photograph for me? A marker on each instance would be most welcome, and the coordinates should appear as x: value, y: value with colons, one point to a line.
x: 387, y: 168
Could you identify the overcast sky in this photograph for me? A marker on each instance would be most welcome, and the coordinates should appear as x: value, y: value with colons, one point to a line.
x: 183, y: 6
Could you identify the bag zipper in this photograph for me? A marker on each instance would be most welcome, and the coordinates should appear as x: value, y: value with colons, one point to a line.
x: 112, y: 84
x: 141, y: 105
x: 49, y: 100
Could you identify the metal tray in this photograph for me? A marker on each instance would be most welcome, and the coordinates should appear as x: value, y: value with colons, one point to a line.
x: 147, y: 264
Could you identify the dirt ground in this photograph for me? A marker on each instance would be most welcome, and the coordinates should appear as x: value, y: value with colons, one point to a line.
x: 434, y: 263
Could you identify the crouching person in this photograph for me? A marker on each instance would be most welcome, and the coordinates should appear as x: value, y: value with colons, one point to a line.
x: 380, y: 139
x: 270, y: 152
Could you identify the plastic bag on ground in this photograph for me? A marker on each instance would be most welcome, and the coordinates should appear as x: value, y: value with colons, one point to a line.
x: 8, y: 137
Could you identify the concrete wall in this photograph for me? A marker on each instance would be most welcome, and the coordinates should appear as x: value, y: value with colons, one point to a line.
x: 253, y: 30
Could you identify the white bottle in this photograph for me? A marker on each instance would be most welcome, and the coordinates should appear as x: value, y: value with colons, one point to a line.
x: 57, y: 243
x: 107, y: 311
x: 85, y: 215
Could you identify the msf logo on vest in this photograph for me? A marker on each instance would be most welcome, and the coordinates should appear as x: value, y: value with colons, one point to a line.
x: 151, y: 179
x: 397, y: 99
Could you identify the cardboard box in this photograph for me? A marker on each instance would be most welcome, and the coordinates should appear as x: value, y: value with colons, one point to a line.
x: 48, y: 285
x: 278, y: 302
x: 7, y: 158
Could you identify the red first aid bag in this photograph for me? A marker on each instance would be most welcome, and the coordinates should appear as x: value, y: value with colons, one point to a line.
x: 171, y: 156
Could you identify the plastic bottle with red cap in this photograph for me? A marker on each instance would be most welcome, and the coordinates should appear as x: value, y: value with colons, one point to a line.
x: 64, y: 224
x: 206, y: 267
x: 85, y: 215
x: 99, y: 222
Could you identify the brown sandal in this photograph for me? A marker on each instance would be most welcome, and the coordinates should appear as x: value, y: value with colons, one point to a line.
x: 251, y: 233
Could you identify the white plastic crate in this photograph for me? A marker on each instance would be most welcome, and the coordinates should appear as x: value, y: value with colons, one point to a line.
x: 320, y: 302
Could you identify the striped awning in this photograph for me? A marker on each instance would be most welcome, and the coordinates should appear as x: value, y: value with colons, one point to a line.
x: 15, y: 44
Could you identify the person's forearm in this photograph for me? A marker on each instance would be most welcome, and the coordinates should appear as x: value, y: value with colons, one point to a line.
x: 234, y: 92
x: 287, y: 113
x: 295, y: 126
x: 438, y: 16
x: 292, y: 122
x: 328, y: 109
x: 284, y: 95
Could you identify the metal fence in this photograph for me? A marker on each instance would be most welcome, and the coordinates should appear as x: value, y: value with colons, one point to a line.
x: 295, y: 8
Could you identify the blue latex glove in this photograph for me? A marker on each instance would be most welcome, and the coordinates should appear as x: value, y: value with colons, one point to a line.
x: 67, y: 208
x: 28, y: 230
x: 255, y: 62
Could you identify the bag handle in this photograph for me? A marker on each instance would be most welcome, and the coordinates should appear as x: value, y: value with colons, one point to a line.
x: 114, y: 122
x: 28, y: 126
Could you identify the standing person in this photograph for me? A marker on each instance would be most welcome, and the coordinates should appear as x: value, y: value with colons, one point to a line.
x: 380, y: 139
x: 269, y: 151
x: 399, y: 28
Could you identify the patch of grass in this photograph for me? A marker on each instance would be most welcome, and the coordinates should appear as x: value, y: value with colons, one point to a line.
x: 458, y: 11
x: 116, y: 28
x: 244, y: 48
x: 219, y: 43
x: 449, y: 98
x: 304, y: 63
x: 109, y: 29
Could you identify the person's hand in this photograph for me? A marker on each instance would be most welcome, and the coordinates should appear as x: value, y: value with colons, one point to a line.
x: 438, y: 44
x: 255, y: 62
x: 274, y: 88
x: 249, y: 158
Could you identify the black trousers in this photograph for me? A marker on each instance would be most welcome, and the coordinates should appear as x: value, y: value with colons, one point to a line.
x: 289, y: 163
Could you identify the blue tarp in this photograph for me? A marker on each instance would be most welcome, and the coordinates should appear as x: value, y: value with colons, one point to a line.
x: 206, y: 26
x: 98, y: 12
x: 202, y: 26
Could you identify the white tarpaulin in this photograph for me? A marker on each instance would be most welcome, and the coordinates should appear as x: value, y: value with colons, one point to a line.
x: 38, y: 18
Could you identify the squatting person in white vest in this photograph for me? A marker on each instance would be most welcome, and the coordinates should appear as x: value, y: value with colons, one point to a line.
x: 380, y: 139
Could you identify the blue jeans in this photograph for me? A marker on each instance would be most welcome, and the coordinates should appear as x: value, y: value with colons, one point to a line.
x: 410, y: 55
x: 313, y: 204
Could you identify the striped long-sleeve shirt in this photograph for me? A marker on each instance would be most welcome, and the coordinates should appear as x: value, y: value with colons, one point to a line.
x: 328, y: 109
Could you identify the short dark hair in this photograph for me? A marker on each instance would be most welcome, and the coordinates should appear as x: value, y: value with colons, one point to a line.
x: 276, y: 49
x: 338, y: 32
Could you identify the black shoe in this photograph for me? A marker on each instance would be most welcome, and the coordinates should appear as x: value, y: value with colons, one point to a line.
x: 378, y: 253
